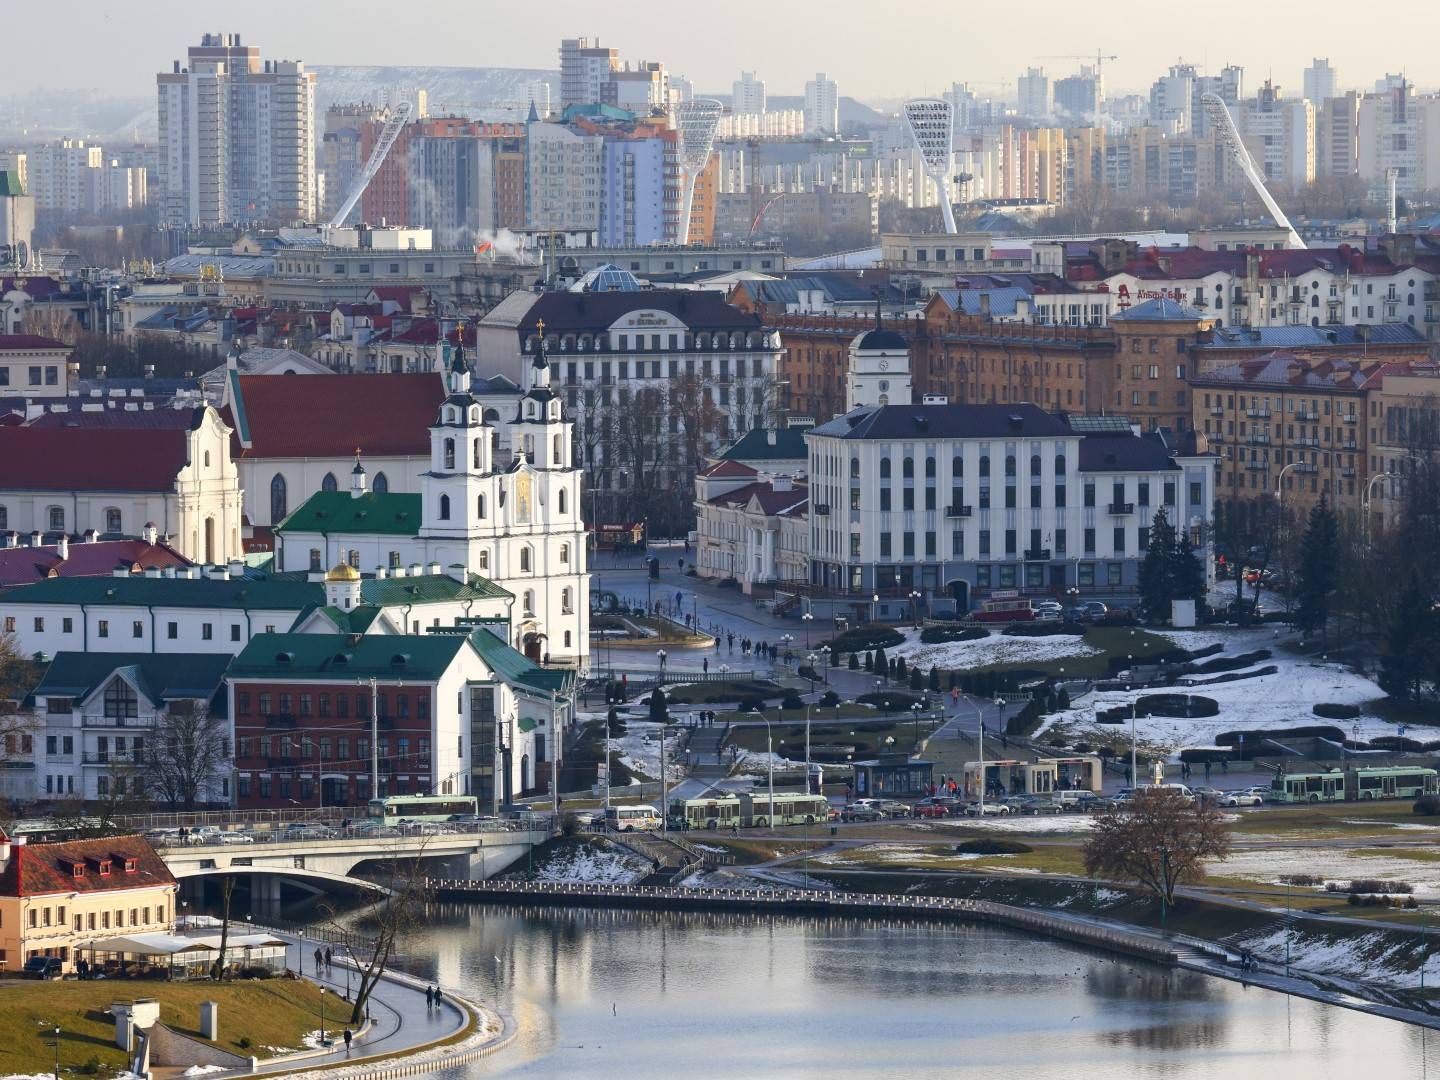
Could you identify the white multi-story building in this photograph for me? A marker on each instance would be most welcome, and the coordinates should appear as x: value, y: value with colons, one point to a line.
x: 1337, y: 132
x: 747, y: 95
x: 822, y: 106
x: 61, y: 175
x: 1320, y: 82
x: 563, y: 177
x: 1399, y: 130
x: 237, y: 137
x: 585, y: 69
x: 1280, y: 134
x: 1033, y: 90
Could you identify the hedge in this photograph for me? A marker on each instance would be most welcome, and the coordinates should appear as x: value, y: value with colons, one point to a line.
x: 1177, y: 706
x: 989, y: 845
x: 1331, y: 711
x: 892, y: 699
x: 1305, y: 731
x: 1044, y: 629
x: 868, y: 636
x: 1229, y: 663
x: 941, y: 635
x: 1236, y: 676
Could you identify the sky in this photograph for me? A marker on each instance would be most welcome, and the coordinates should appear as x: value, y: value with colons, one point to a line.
x: 874, y: 50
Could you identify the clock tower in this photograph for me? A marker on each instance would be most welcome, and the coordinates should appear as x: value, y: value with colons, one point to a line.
x: 879, y: 369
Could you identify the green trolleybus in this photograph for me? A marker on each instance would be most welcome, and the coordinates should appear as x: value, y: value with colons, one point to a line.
x: 1351, y: 785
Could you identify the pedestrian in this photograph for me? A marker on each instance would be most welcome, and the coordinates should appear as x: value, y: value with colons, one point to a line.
x: 329, y: 956
x: 1225, y: 765
x: 1207, y: 772
x: 682, y: 567
x: 705, y: 665
x: 349, y: 1035
x: 319, y: 958
x: 437, y: 997
x: 429, y: 997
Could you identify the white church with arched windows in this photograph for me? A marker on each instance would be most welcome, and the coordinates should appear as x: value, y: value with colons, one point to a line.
x: 515, y: 522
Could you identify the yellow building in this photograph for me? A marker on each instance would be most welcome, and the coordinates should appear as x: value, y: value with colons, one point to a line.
x: 54, y: 898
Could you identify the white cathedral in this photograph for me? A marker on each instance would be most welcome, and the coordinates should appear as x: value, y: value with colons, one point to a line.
x: 515, y: 523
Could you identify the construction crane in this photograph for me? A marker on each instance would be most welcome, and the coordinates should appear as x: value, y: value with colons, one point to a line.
x: 397, y: 119
x: 1099, y: 59
x: 1222, y: 122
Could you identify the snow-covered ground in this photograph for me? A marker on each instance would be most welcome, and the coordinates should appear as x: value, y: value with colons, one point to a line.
x: 1373, y: 958
x: 1267, y: 701
x: 639, y: 750
x: 995, y: 649
x: 593, y: 864
x: 1269, y: 865
x: 896, y: 853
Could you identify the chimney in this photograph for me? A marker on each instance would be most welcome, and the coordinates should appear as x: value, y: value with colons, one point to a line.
x: 168, y: 572
x: 35, y: 538
x: 416, y: 570
x: 381, y: 573
x: 398, y: 572
x: 218, y: 573
x: 237, y: 568
x: 62, y: 547
x: 780, y: 484
x: 9, y: 539
x: 770, y: 437
x: 459, y: 573
x: 120, y: 571
x: 433, y: 569
x: 151, y: 533
x: 91, y: 536
x: 152, y: 572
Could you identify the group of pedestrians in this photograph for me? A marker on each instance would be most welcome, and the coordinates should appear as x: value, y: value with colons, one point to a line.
x: 433, y: 997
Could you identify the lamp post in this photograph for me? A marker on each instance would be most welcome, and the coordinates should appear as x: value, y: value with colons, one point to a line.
x: 874, y: 605
x: 807, y: 619
x: 980, y: 737
x: 1365, y: 503
x: 915, y: 595
x: 322, y: 1016
x: 661, y: 654
x: 787, y: 640
x: 769, y: 774
x: 810, y: 660
x: 53, y: 1039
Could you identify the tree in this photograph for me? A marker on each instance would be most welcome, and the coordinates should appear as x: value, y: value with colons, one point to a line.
x: 1408, y: 663
x: 1159, y: 572
x: 901, y: 670
x: 1160, y: 841
x: 869, y: 660
x: 854, y: 664
x: 882, y: 665
x: 18, y: 676
x: 227, y: 887
x: 388, y: 923
x: 192, y: 755
x: 1318, y: 571
x: 658, y: 713
x: 934, y: 677
x: 917, y: 681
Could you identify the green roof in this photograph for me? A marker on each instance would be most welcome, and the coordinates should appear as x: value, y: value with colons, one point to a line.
x: 10, y: 183
x: 160, y: 676
x: 515, y: 667
x: 390, y: 514
x: 140, y: 591
x: 356, y: 621
x: 333, y: 656
x: 755, y: 445
x: 428, y: 588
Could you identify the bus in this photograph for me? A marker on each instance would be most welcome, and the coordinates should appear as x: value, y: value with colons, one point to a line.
x: 791, y: 808
x: 639, y: 817
x: 1351, y: 785
x: 397, y: 808
x: 1004, y: 605
x: 720, y: 812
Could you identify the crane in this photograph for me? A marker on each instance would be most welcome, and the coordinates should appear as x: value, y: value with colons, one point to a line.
x: 1222, y: 122
x: 397, y: 119
x: 1099, y: 59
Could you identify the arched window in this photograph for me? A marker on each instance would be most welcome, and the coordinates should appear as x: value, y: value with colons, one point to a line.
x: 480, y: 505
x: 1034, y: 464
x: 855, y: 468
x: 957, y: 466
x: 207, y: 459
x: 930, y: 468
x: 908, y: 468
x: 565, y: 608
x: 328, y: 483
x: 449, y: 454
x: 444, y: 507
x: 475, y: 454
x: 525, y: 562
x: 560, y: 501
x: 484, y: 560
x: 381, y: 484
x: 278, y: 501
x: 528, y: 600
x: 113, y: 523
x: 567, y: 639
x: 315, y: 559
x: 1059, y: 466
x: 565, y: 553
x: 984, y: 464
x: 884, y: 468
x: 555, y: 453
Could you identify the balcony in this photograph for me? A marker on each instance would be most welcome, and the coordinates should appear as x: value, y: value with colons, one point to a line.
x: 1348, y: 470
x: 959, y: 511
x: 105, y: 757
x: 281, y: 721
x: 822, y: 509
x: 1120, y: 508
x: 1307, y: 414
x: 1217, y: 410
x: 1037, y: 555
x: 1258, y: 438
x: 125, y: 722
x: 1258, y: 466
x: 1263, y: 414
x: 1306, y: 468
x: 1307, y: 440
x: 1350, y: 418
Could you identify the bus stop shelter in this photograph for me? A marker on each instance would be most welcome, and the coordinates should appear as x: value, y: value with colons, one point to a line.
x: 893, y: 776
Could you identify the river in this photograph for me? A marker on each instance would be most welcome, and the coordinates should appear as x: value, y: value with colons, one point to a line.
x: 651, y: 996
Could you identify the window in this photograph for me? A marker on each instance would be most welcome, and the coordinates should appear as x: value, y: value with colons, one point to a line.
x: 525, y: 560
x: 57, y: 519
x: 327, y: 483
x: 102, y: 627
x: 121, y: 701
x: 207, y: 631
x: 112, y: 521
x: 444, y: 512
x: 278, y: 501
x: 137, y: 629
x: 381, y: 484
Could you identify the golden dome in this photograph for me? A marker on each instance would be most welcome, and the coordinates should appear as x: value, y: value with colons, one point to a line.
x: 343, y: 572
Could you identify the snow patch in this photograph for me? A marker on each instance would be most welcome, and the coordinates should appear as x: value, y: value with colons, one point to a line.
x: 594, y: 865
x: 995, y: 649
x: 203, y: 1070
x: 1329, y: 864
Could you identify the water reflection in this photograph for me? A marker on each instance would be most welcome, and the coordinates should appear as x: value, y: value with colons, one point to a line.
x: 643, y: 995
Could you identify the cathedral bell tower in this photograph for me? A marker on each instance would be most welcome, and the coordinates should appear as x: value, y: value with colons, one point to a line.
x: 879, y: 368
x: 459, y: 487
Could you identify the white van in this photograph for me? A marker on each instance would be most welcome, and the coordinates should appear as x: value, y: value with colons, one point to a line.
x: 1178, y: 789
x: 641, y: 816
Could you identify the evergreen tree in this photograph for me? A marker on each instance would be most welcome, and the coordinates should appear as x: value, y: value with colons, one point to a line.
x: 954, y: 680
x: 900, y: 669
x: 1189, y: 573
x: 1319, y: 550
x: 658, y: 713
x: 1158, y: 571
x: 1409, y: 659
x: 882, y: 665
x: 869, y: 660
x: 834, y: 656
x: 854, y: 664
x: 934, y: 678
x: 917, y: 681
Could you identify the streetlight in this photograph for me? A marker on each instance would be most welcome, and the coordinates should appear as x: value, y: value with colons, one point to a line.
x: 322, y: 1016
x: 917, y: 708
x: 915, y: 595
x: 769, y: 772
x: 661, y: 654
x: 53, y: 1039
x: 788, y: 640
x: 810, y: 660
x: 807, y: 619
x: 874, y: 603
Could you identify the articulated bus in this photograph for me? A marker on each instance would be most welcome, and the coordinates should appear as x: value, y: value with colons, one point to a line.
x: 398, y: 808
x: 791, y: 808
x: 720, y: 812
x: 1351, y: 785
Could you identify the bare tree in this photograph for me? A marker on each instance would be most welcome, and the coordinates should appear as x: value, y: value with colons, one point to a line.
x: 51, y: 321
x: 1160, y: 841
x: 191, y: 754
x: 227, y: 887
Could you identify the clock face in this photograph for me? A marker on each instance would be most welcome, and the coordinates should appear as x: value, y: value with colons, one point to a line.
x: 884, y: 365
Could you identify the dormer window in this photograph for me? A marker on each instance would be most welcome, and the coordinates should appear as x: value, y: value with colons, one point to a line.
x: 77, y: 871
x: 104, y: 867
x: 130, y: 866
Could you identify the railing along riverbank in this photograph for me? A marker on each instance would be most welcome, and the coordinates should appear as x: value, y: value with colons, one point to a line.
x: 806, y: 902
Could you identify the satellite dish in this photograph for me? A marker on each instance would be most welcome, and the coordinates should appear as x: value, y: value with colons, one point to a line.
x: 22, y: 254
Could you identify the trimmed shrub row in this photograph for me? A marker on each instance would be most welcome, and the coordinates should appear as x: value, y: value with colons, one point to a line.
x: 941, y: 635
x: 868, y: 636
x: 1044, y: 629
x: 1331, y: 711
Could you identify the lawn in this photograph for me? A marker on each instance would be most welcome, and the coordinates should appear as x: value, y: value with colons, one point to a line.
x: 1324, y: 820
x: 818, y: 714
x: 1047, y: 654
x: 861, y: 737
x: 723, y: 691
x: 751, y: 851
x: 270, y: 1013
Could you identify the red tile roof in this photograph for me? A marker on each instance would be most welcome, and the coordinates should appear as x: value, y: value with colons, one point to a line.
x: 92, y: 459
x: 330, y: 415
x: 37, y: 869
x: 22, y: 565
x: 729, y: 469
x: 772, y: 503
x: 29, y: 341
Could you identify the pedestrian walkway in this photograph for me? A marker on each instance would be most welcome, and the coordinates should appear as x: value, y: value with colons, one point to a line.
x: 400, y: 1019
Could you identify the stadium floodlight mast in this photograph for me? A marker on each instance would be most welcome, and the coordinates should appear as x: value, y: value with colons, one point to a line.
x: 1221, y: 120
x: 932, y: 125
x: 697, y: 120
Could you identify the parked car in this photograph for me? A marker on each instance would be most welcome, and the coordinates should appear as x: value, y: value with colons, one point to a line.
x: 43, y: 967
x: 1209, y: 794
x: 892, y: 809
x: 1240, y: 798
x: 236, y: 838
x: 1037, y: 804
x: 1074, y: 614
x: 1049, y: 605
x: 991, y: 808
x: 930, y: 808
x: 1094, y: 609
x: 860, y: 812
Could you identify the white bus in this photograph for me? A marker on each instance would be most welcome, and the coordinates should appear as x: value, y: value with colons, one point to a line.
x: 397, y: 808
x: 641, y: 816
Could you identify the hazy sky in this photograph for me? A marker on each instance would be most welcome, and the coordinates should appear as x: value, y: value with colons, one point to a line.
x: 873, y: 49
